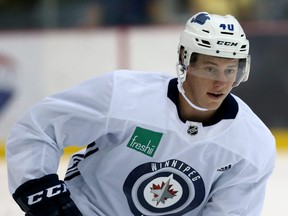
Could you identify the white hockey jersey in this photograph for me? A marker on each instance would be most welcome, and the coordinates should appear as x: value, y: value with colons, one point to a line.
x: 141, y: 158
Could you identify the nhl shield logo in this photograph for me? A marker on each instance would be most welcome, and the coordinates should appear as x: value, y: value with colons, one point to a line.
x: 192, y: 130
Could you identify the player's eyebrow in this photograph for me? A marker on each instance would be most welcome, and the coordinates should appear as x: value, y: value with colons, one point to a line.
x: 209, y: 62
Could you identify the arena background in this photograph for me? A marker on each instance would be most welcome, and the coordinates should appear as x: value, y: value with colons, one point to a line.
x: 45, y: 62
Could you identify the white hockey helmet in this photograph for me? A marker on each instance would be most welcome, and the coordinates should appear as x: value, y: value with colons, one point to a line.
x: 214, y: 35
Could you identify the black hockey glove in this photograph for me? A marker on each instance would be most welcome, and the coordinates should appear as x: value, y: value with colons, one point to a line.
x: 46, y: 196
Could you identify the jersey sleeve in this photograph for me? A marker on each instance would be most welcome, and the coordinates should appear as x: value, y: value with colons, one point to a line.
x: 74, y: 117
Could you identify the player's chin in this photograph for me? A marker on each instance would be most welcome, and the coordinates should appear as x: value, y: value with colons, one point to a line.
x: 213, y: 105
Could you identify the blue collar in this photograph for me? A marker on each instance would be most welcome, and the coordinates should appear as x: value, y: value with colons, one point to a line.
x: 228, y: 109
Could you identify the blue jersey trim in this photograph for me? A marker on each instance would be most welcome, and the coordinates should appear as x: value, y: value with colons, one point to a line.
x: 228, y: 109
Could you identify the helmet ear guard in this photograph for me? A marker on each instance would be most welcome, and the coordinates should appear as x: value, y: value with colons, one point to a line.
x: 181, y: 67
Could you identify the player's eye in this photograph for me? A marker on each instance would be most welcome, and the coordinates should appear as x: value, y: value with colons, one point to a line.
x: 230, y: 71
x: 211, y: 69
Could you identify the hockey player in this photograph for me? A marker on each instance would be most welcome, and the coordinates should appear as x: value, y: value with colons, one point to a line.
x: 156, y: 145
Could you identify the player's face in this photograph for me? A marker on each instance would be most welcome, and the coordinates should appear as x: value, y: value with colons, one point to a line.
x: 209, y: 80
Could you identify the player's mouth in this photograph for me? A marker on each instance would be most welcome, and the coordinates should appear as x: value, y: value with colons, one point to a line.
x: 215, y: 95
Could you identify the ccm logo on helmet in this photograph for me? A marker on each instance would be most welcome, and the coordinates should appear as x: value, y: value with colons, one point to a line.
x: 47, y: 193
x: 227, y: 43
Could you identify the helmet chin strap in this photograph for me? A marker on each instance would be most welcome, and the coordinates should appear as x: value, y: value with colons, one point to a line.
x: 182, y: 91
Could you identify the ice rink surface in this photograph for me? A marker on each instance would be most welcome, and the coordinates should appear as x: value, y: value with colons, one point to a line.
x: 276, y: 202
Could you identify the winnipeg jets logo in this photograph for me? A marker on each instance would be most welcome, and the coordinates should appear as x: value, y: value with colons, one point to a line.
x: 170, y: 187
x: 200, y: 18
x: 163, y: 192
